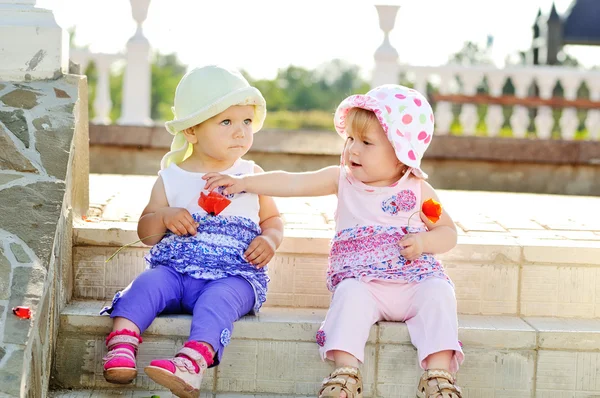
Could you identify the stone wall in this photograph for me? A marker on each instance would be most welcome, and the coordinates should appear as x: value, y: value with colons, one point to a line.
x: 467, y: 163
x: 44, y: 169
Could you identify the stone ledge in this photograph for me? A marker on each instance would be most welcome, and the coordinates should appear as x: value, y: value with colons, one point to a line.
x: 305, y: 241
x: 328, y: 143
x: 110, y: 393
x: 265, y: 365
x: 299, y: 324
x: 566, y: 334
x: 508, y: 347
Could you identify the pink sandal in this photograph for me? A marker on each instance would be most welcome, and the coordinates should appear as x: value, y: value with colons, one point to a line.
x: 182, y: 374
x: 119, y: 363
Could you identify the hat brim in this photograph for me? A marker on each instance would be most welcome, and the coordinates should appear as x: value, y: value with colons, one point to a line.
x: 372, y: 104
x: 243, y: 96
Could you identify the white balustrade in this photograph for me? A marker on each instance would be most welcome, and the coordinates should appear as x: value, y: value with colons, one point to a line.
x: 468, y: 116
x: 102, y: 102
x: 592, y: 123
x: 494, y: 118
x: 544, y: 120
x: 443, y: 78
x: 519, y: 120
x: 569, y: 120
x: 137, y: 79
x: 386, y: 56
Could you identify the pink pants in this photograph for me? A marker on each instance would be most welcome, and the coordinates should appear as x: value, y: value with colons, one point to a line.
x: 428, y: 308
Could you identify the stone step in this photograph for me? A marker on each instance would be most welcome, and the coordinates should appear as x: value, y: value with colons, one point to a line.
x: 127, y: 392
x: 275, y: 353
x: 493, y: 276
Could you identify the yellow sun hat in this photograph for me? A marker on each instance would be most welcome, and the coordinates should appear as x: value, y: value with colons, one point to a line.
x: 203, y: 93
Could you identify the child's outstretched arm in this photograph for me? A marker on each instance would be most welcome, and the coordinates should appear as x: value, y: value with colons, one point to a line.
x: 440, y: 237
x: 278, y: 183
x: 158, y: 217
x: 262, y: 249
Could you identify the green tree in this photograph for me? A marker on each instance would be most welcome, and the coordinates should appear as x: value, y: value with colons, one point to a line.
x: 470, y: 54
x: 299, y: 89
x: 167, y: 71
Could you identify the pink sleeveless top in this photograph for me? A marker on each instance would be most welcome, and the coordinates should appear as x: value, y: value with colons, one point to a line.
x: 370, y: 221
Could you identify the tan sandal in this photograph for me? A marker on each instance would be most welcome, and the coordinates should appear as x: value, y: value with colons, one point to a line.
x: 346, y: 379
x: 444, y: 386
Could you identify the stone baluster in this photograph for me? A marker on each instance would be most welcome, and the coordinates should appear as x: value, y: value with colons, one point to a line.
x: 443, y: 111
x: 81, y: 57
x: 544, y: 121
x: 592, y: 122
x: 494, y: 119
x: 469, y: 117
x: 137, y: 78
x: 421, y: 80
x: 102, y: 102
x: 569, y: 121
x: 386, y: 57
x: 519, y: 121
x: 32, y: 45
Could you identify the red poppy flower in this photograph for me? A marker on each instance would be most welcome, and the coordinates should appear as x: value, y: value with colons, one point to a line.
x: 22, y: 312
x: 213, y: 203
x: 432, y: 210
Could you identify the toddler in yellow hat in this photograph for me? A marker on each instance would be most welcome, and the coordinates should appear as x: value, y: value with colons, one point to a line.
x: 210, y: 251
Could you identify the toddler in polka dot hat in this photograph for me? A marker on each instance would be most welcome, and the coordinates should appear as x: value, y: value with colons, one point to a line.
x: 404, y: 115
x: 382, y: 259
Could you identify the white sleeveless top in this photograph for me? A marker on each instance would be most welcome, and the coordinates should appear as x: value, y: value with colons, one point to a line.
x: 183, y: 190
x: 217, y: 249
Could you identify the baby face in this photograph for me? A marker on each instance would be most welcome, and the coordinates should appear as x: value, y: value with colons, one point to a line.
x: 371, y: 158
x: 227, y: 136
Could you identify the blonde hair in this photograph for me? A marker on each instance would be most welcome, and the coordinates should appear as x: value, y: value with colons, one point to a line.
x: 358, y: 120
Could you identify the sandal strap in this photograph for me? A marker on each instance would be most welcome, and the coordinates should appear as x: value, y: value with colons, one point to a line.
x: 346, y: 370
x: 195, y: 356
x: 438, y: 374
x: 123, y: 339
x: 335, y: 380
x: 444, y: 383
x: 119, y: 353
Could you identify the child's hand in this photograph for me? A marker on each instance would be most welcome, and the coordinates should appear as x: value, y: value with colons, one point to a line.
x: 261, y: 251
x: 233, y: 184
x: 178, y: 220
x: 412, y: 246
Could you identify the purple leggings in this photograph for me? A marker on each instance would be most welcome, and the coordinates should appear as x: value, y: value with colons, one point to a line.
x: 214, y: 304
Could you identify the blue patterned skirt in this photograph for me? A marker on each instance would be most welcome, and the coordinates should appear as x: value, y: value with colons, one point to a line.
x: 215, y: 252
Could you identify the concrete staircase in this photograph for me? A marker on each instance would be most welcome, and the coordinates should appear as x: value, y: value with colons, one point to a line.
x: 529, y: 322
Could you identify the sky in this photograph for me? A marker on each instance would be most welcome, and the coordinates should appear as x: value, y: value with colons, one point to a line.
x: 262, y: 36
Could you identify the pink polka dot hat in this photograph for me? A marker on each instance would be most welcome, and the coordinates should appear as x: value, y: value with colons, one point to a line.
x: 405, y: 116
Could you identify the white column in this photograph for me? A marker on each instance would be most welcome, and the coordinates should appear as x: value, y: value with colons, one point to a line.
x: 443, y: 111
x: 386, y: 57
x: 81, y: 57
x: 137, y: 79
x: 592, y: 122
x: 519, y: 121
x: 544, y: 121
x: 102, y: 102
x: 469, y: 118
x: 32, y: 45
x: 569, y: 121
x: 494, y: 119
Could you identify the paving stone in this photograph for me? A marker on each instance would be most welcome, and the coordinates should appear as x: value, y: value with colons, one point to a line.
x: 21, y: 98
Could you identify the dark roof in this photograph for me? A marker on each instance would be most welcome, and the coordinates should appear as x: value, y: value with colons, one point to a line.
x: 554, y: 14
x: 581, y: 23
